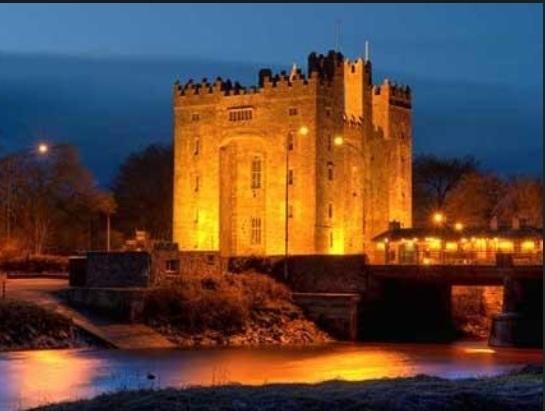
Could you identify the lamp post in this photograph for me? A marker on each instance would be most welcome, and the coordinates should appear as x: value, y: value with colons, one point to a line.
x: 303, y: 131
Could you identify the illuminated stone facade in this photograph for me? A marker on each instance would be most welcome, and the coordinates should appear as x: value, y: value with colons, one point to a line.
x: 231, y: 145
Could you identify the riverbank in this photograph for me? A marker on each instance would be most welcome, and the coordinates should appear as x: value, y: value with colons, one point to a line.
x: 235, y: 310
x: 518, y: 391
x: 27, y: 326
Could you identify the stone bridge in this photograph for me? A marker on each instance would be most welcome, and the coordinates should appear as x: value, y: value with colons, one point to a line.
x: 414, y: 301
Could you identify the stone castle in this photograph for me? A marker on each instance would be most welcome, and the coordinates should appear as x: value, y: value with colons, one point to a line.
x: 337, y: 147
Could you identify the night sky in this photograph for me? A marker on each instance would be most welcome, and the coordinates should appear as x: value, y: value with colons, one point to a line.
x: 100, y: 76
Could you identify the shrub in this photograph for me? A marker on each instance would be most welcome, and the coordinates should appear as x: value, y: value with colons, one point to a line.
x: 35, y: 264
x: 223, y: 303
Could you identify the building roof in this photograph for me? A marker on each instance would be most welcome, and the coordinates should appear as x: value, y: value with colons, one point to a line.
x: 448, y: 233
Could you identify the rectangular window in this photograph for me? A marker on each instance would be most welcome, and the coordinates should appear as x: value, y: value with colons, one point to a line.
x: 195, y: 117
x: 256, y: 231
x: 330, y: 171
x: 292, y: 111
x: 240, y: 114
x: 256, y: 172
x: 290, y: 177
x: 330, y: 210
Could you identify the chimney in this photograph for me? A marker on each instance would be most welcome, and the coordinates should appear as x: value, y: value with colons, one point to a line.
x: 515, y: 223
x: 494, y: 223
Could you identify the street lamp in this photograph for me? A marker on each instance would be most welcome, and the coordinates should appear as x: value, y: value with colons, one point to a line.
x: 438, y: 218
x: 458, y: 226
x: 43, y: 148
x: 303, y: 131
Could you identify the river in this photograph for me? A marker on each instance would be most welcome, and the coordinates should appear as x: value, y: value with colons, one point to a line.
x: 31, y: 378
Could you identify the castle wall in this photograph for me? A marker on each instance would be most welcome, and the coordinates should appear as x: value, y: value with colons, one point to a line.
x: 224, y: 168
x: 339, y: 196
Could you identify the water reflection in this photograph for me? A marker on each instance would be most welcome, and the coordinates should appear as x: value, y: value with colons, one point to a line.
x: 36, y: 377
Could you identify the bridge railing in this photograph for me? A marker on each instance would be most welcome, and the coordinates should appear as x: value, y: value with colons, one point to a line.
x: 445, y: 257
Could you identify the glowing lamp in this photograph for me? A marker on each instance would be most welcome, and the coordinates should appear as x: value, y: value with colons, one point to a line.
x: 303, y: 130
x: 458, y: 226
x: 43, y: 148
x: 438, y: 218
x: 338, y: 141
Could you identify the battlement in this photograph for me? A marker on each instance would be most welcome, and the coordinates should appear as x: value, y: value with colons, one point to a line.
x: 267, y: 82
x: 397, y: 94
x: 326, y: 66
x: 352, y: 121
x: 393, y: 89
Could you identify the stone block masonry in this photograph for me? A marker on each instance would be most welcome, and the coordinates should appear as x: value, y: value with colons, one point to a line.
x: 238, y: 151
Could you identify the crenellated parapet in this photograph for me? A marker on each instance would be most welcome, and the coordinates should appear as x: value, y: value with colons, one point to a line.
x: 397, y: 94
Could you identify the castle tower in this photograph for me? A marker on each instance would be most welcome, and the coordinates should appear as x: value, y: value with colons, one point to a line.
x: 239, y: 151
x: 391, y: 166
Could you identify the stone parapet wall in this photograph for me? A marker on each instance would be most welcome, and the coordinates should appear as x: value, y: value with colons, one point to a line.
x: 202, y: 263
x: 118, y: 269
x: 125, y: 304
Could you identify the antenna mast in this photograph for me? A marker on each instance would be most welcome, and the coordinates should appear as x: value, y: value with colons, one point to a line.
x: 337, y: 34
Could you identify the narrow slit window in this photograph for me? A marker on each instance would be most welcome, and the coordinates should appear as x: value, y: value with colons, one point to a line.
x: 291, y: 141
x: 330, y: 171
x: 197, y: 146
x: 197, y: 183
x: 290, y: 177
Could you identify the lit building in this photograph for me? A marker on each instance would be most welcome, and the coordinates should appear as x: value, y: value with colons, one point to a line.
x: 304, y: 164
x: 456, y: 245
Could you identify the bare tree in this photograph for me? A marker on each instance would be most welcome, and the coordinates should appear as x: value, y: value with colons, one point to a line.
x: 143, y: 192
x: 433, y: 179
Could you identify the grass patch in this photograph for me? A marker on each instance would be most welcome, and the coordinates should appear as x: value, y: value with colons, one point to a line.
x: 25, y: 325
x: 515, y: 392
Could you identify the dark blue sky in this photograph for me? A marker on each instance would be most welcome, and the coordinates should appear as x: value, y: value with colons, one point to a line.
x: 100, y: 76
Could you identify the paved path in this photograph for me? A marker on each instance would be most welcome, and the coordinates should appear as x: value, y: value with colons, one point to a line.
x: 120, y: 335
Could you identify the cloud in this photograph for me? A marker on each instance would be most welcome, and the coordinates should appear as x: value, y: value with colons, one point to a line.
x: 110, y: 107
